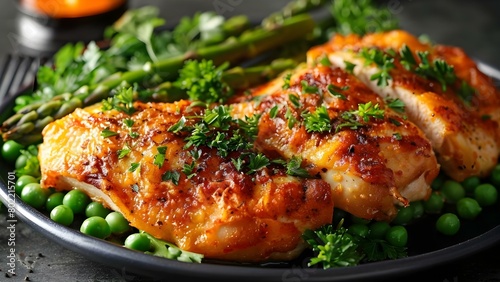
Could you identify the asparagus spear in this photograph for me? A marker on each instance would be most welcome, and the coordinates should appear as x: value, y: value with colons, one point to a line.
x: 26, y: 125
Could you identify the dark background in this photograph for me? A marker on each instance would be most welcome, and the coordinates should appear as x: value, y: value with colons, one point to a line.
x: 473, y: 25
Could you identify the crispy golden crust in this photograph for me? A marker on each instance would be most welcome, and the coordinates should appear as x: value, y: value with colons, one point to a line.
x: 219, y: 212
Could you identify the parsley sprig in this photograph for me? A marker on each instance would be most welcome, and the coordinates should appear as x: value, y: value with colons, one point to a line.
x: 317, y: 121
x: 202, y: 81
x: 339, y: 247
x: 364, y: 112
x: 383, y: 60
x: 216, y: 128
x: 438, y: 69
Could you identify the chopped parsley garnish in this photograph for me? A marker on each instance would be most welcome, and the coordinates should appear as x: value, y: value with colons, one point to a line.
x: 364, y: 111
x: 295, y: 100
x: 367, y: 110
x: 291, y: 120
x: 128, y: 122
x: 217, y: 129
x: 438, y: 69
x: 293, y: 168
x: 123, y: 101
x: 257, y: 162
x: 397, y: 136
x: 362, y: 17
x: 317, y: 121
x: 324, y: 61
x: 466, y: 92
x: 106, y: 133
x: 202, y: 81
x: 273, y: 112
x: 384, y: 61
x: 339, y: 247
x: 334, y: 90
x: 124, y: 152
x: 174, y: 176
x: 333, y: 248
x: 159, y: 158
x: 308, y: 89
x: 407, y: 60
x: 396, y: 104
x: 133, y: 167
x: 286, y: 81
x: 349, y: 67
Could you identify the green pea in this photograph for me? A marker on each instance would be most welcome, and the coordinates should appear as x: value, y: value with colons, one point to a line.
x: 96, y: 209
x: 11, y: 150
x: 77, y: 200
x: 62, y: 215
x: 434, y: 204
x: 418, y: 209
x: 452, y: 191
x: 448, y: 224
x: 404, y: 216
x: 117, y: 223
x: 21, y: 161
x: 486, y: 194
x: 96, y: 226
x: 470, y: 183
x: 397, y: 236
x: 378, y: 229
x: 34, y: 195
x: 359, y: 229
x: 495, y: 176
x: 54, y: 200
x: 22, y: 181
x: 138, y: 242
x: 468, y: 208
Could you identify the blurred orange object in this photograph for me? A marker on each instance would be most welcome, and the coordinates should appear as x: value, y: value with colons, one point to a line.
x: 70, y: 8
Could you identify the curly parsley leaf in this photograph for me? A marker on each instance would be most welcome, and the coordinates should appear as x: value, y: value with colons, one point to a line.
x: 202, y: 81
x: 333, y: 248
x: 317, y: 121
x: 362, y: 17
x: 293, y: 168
x: 438, y: 69
x: 384, y: 62
x: 32, y: 165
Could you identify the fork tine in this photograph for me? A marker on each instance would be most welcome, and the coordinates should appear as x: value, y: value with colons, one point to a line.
x: 17, y: 73
x: 9, y: 74
x: 22, y: 70
x: 3, y: 74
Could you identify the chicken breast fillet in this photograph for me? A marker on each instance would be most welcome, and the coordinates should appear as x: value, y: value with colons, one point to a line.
x: 218, y: 211
x: 461, y: 118
x: 372, y: 165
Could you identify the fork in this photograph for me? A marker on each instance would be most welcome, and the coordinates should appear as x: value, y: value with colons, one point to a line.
x: 17, y: 73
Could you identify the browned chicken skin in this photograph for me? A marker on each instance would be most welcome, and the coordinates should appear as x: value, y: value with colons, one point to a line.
x: 219, y: 212
x: 464, y: 136
x: 384, y: 162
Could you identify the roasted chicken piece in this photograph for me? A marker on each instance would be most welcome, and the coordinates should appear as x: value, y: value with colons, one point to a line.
x: 444, y: 92
x: 372, y: 161
x: 135, y: 165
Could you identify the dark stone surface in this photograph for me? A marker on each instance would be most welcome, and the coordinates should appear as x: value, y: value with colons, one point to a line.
x: 473, y: 25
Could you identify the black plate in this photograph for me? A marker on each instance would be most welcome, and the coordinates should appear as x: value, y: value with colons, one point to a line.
x: 426, y: 247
